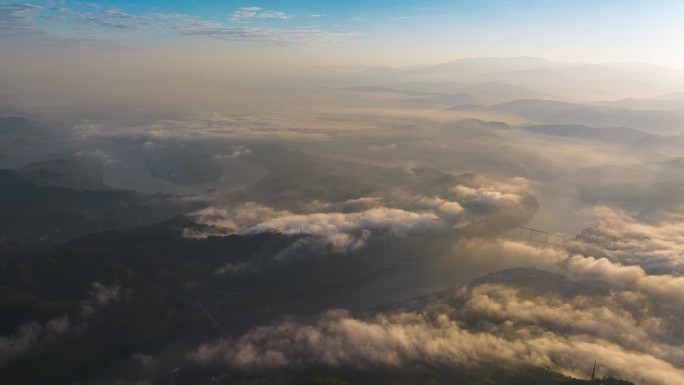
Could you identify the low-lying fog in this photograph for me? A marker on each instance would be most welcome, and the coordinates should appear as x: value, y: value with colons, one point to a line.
x: 310, y: 225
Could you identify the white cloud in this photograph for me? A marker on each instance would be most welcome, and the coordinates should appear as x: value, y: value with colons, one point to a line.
x: 348, y: 231
x: 508, y: 193
x: 273, y: 15
x: 626, y: 318
x: 17, y: 19
x: 231, y: 268
x: 236, y: 152
x: 657, y: 248
x: 100, y: 295
x: 348, y: 225
x: 402, y: 339
x: 450, y: 208
x: 388, y: 147
x: 245, y: 14
x: 229, y: 220
x: 29, y: 336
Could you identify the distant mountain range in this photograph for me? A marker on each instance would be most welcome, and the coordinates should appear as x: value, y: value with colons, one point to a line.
x: 568, y: 81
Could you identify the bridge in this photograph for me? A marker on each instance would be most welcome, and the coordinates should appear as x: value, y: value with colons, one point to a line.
x: 523, y: 233
x: 538, y: 236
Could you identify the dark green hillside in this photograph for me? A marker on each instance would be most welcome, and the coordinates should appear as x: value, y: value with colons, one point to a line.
x: 34, y: 213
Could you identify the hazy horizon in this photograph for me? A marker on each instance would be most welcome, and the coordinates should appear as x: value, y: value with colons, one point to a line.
x: 185, y: 54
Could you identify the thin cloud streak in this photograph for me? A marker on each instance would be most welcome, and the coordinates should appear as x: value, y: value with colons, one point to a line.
x: 19, y: 21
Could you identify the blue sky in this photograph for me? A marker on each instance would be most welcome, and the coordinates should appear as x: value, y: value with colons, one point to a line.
x: 386, y: 32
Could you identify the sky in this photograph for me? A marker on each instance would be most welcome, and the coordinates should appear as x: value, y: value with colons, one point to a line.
x: 206, y: 55
x: 379, y: 32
